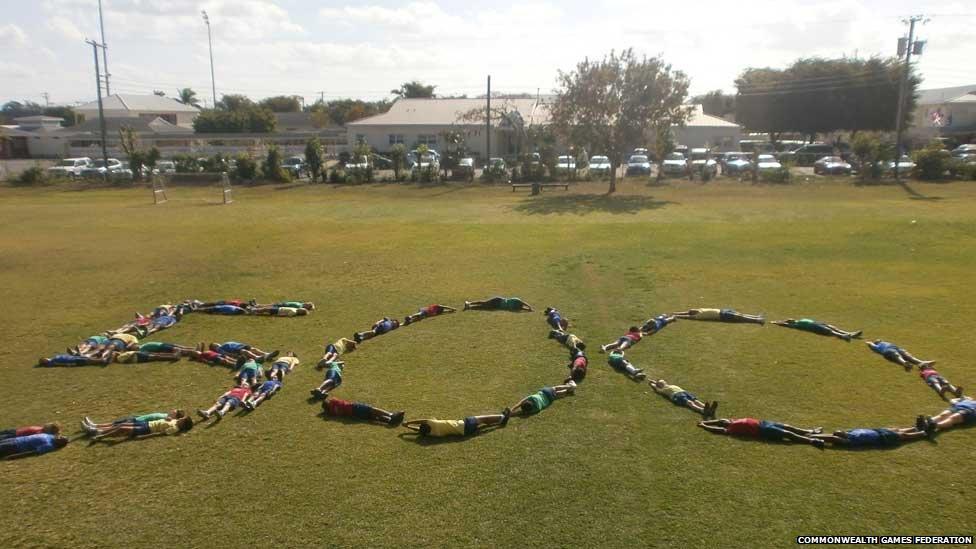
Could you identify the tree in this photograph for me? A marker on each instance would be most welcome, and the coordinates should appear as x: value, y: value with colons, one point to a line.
x: 398, y: 156
x: 341, y: 111
x: 314, y: 157
x: 63, y: 112
x: 824, y: 95
x: 129, y: 143
x: 17, y: 109
x: 611, y: 104
x: 716, y: 103
x: 272, y: 166
x: 282, y: 103
x: 414, y: 89
x: 234, y: 102
x: 187, y: 96
x: 250, y: 119
x: 663, y: 146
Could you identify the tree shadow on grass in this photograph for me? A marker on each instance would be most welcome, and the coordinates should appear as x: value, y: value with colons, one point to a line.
x: 915, y: 195
x: 581, y: 204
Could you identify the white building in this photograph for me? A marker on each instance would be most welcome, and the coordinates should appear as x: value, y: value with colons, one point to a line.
x: 944, y: 112
x: 705, y: 130
x: 146, y: 107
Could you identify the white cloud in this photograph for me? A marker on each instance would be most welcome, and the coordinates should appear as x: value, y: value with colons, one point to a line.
x: 15, y: 71
x: 65, y: 27
x: 11, y: 36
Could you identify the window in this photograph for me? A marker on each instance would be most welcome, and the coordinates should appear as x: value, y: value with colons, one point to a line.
x: 429, y: 140
x: 396, y: 139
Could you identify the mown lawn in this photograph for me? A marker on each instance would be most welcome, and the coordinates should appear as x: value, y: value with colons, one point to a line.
x: 613, y: 466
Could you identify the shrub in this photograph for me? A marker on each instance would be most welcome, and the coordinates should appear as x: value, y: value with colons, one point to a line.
x: 186, y: 163
x: 359, y: 175
x: 215, y: 164
x: 337, y: 176
x: 32, y: 176
x: 246, y: 169
x: 931, y: 163
x: 425, y: 175
x: 871, y: 154
x: 781, y: 175
x: 272, y: 166
x: 962, y: 170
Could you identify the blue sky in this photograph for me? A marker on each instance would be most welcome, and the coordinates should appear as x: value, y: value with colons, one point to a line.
x: 349, y: 49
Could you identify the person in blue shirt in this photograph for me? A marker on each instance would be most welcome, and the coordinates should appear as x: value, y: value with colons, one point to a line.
x: 380, y: 327
x: 17, y: 447
x: 872, y: 438
x: 237, y: 349
x: 555, y: 319
x: 961, y: 411
x: 267, y: 390
x: 896, y: 354
x: 656, y: 324
x: 73, y: 360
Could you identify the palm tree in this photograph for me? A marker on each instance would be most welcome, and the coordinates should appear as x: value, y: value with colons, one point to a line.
x: 188, y: 97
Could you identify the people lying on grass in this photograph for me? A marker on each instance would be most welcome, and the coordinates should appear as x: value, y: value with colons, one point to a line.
x: 617, y: 361
x: 307, y: 305
x: 749, y: 427
x: 128, y: 420
x: 139, y: 357
x: 334, y: 350
x: 819, y: 328
x: 680, y: 397
x: 118, y: 343
x: 555, y: 319
x: 278, y: 311
x: 160, y: 347
x: 571, y: 341
x: 47, y: 428
x: 539, y: 401
x: 248, y: 371
x: 229, y: 310
x: 285, y: 365
x: 74, y: 360
x: 92, y: 346
x: 237, y: 349
x: 938, y: 383
x: 896, y: 354
x: 161, y: 323
x: 214, y: 358
x: 137, y: 328
x: 427, y: 312
x: 380, y: 327
x: 264, y: 391
x: 335, y: 407
x: 961, y: 411
x: 240, y: 303
x: 577, y: 366
x: 227, y: 402
x: 457, y: 427
x: 872, y: 438
x: 31, y: 445
x: 720, y: 315
x: 333, y: 379
x: 654, y: 325
x: 497, y: 303
x: 142, y: 429
x: 624, y: 342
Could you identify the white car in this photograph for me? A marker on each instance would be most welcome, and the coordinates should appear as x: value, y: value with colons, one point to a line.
x: 430, y: 160
x: 70, y: 167
x: 98, y: 168
x: 674, y: 164
x: 703, y: 163
x: 165, y: 166
x: 638, y: 164
x: 599, y: 164
x: 565, y: 164
x: 905, y: 164
x: 768, y: 162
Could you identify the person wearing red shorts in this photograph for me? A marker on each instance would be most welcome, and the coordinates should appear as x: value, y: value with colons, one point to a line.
x: 213, y: 357
x: 335, y: 407
x: 427, y: 312
x: 229, y: 401
x: 748, y: 427
x: 624, y: 342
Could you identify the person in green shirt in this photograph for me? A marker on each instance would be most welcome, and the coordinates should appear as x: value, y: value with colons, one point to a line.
x: 175, y: 413
x: 333, y: 379
x: 617, y: 361
x: 539, y: 401
x: 513, y: 304
x: 90, y: 347
x: 817, y: 327
x: 249, y: 371
x: 307, y: 305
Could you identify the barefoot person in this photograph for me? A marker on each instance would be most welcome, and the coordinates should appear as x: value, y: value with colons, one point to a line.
x: 456, y: 427
x: 379, y: 328
x: 938, y: 383
x: 177, y: 413
x: 749, y: 427
x: 571, y: 341
x: 617, y: 361
x: 896, y: 354
x: 872, y: 438
x: 680, y: 397
x: 227, y: 402
x: 335, y: 407
x: 496, y: 303
x: 539, y: 401
x: 816, y: 327
x: 720, y: 315
x: 427, y: 312
x: 335, y: 350
x: 555, y: 319
x: 624, y: 342
x: 656, y: 324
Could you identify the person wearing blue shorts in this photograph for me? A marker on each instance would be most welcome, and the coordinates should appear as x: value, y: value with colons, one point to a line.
x: 457, y: 427
x: 555, y: 319
x: 74, y: 360
x: 817, y: 327
x: 227, y: 402
x: 618, y: 362
x: 961, y: 411
x: 237, y: 349
x: 267, y: 390
x: 333, y: 379
x: 773, y: 431
x: 230, y: 310
x: 683, y: 398
x: 720, y: 315
x: 334, y: 350
x: 539, y: 401
x: 248, y: 372
x: 896, y: 354
x: 571, y: 341
x: 872, y: 438
x: 656, y: 324
x: 380, y: 327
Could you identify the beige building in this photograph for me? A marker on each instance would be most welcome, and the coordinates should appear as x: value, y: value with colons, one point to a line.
x: 146, y: 107
x: 705, y: 130
x: 944, y: 112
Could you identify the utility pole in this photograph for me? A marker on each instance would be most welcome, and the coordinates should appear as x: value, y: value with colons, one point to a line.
x: 101, y: 24
x: 213, y: 80
x: 909, y: 46
x: 101, y: 112
x: 488, y: 127
x: 47, y: 99
x: 322, y: 97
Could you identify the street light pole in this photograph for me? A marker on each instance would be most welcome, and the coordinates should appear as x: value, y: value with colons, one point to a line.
x: 213, y: 81
x: 101, y: 24
x: 909, y: 46
x: 101, y: 113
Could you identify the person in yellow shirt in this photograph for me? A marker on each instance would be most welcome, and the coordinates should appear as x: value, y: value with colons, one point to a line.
x: 457, y: 427
x: 283, y: 365
x: 134, y: 357
x: 118, y: 343
x: 720, y: 315
x: 680, y: 397
x: 142, y: 429
x: 571, y: 341
x: 334, y: 350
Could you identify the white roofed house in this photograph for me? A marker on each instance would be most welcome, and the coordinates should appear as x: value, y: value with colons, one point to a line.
x: 146, y: 107
x: 705, y: 130
x: 412, y: 122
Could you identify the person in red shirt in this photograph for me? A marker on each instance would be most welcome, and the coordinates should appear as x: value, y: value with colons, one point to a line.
x: 47, y: 428
x: 749, y: 427
x: 938, y: 383
x: 631, y: 338
x: 227, y: 402
x: 577, y: 368
x: 427, y: 312
x: 213, y: 357
x: 335, y: 407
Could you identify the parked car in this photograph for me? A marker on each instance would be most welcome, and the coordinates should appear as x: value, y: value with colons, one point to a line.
x: 98, y: 168
x: 964, y: 152
x: 427, y: 160
x: 640, y: 151
x: 681, y: 149
x: 70, y: 167
x: 675, y: 164
x: 382, y: 162
x: 464, y: 169
x: 767, y: 162
x: 905, y: 164
x: 599, y: 165
x: 412, y: 157
x: 565, y: 164
x: 736, y: 163
x: 807, y: 154
x: 165, y: 166
x: 295, y: 166
x: 832, y: 165
x: 638, y: 165
x: 703, y: 164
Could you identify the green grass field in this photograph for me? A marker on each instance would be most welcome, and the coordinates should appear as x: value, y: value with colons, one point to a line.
x: 612, y: 466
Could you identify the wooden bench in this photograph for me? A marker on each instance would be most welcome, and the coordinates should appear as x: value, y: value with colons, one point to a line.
x: 517, y: 186
x: 542, y: 186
